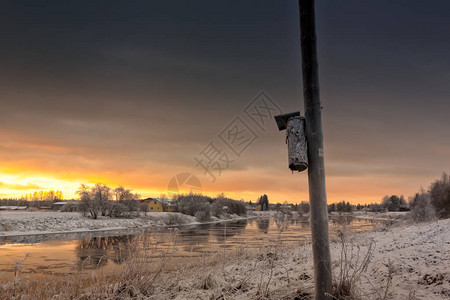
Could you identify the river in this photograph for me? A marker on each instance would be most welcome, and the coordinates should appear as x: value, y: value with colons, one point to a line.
x: 58, y: 255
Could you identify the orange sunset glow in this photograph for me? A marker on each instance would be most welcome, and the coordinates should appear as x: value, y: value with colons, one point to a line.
x: 38, y: 165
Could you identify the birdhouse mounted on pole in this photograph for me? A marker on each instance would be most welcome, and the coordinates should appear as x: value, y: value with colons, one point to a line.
x: 294, y: 124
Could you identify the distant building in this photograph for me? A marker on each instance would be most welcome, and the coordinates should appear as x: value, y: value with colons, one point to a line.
x: 44, y: 207
x: 286, y: 207
x: 168, y: 205
x: 13, y: 207
x: 250, y: 207
x: 58, y: 205
x: 171, y: 207
x: 153, y: 204
x: 69, y: 206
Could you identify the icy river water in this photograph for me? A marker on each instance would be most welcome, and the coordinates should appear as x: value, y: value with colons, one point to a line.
x: 60, y: 254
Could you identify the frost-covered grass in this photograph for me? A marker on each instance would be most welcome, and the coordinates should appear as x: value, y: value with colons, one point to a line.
x: 381, y: 216
x: 398, y: 262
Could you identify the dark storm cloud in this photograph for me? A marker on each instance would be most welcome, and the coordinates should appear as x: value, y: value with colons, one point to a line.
x: 135, y: 67
x: 150, y: 83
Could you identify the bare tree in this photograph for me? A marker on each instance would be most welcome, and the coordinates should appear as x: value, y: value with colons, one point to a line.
x: 88, y: 203
x: 121, y: 194
x: 126, y: 203
x: 102, y: 193
x: 98, y: 200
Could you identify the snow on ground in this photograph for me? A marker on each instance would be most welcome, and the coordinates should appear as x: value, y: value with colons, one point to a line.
x: 41, y: 222
x: 384, y: 216
x: 20, y: 223
x: 416, y: 257
x: 265, y: 214
x: 419, y: 258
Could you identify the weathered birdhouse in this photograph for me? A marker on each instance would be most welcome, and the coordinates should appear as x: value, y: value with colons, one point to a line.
x: 294, y: 124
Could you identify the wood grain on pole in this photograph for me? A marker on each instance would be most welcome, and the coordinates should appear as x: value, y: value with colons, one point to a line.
x: 314, y: 138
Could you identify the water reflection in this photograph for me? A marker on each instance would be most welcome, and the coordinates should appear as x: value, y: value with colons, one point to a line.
x: 224, y: 230
x: 109, y: 252
x: 342, y: 220
x: 94, y: 252
x: 263, y: 225
x: 193, y: 239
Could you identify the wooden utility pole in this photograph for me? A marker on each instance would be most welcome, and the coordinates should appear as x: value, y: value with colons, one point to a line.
x: 314, y: 138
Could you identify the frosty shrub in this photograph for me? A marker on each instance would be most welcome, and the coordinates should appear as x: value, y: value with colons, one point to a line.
x: 421, y: 208
x: 132, y: 208
x: 203, y: 216
x: 69, y: 207
x: 176, y: 219
x: 303, y: 207
x: 233, y: 206
x: 439, y: 192
x: 116, y: 209
x: 192, y: 204
x: 123, y: 209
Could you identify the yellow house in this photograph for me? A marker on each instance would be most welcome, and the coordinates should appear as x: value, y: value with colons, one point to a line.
x: 153, y: 204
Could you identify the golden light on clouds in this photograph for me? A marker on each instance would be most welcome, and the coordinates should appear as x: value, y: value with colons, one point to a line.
x: 63, y: 168
x: 49, y: 167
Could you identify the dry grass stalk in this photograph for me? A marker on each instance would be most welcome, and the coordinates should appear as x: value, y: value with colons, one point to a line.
x: 382, y: 293
x: 353, y: 262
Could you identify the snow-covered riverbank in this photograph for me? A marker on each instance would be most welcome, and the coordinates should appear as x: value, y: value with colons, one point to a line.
x: 408, y: 262
x: 18, y: 223
x: 22, y: 223
x: 42, y: 222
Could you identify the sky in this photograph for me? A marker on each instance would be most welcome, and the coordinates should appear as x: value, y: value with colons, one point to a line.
x: 153, y: 95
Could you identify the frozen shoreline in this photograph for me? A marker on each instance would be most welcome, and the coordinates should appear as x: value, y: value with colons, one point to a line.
x: 35, y: 223
x: 26, y: 223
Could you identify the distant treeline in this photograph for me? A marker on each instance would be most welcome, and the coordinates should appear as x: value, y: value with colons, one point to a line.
x: 424, y: 205
x: 43, y: 195
x: 35, y: 199
x: 29, y: 203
